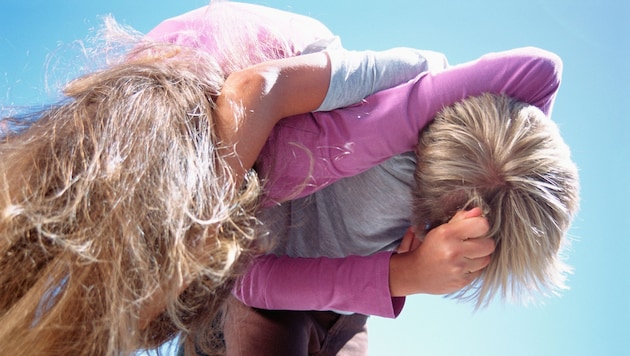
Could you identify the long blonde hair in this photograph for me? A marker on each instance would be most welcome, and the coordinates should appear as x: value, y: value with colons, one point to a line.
x: 508, y: 158
x: 119, y: 192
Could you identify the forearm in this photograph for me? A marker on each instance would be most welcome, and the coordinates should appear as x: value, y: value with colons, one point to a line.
x: 253, y: 100
x: 353, y: 284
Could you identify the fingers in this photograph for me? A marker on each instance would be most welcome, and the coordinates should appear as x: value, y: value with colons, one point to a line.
x: 416, y: 242
x: 451, y: 255
x: 477, y: 264
x: 465, y: 214
x: 470, y: 228
x: 475, y: 227
x: 467, y: 228
x: 407, y: 240
x: 478, y: 247
x: 468, y: 224
x: 464, y: 237
x: 472, y: 213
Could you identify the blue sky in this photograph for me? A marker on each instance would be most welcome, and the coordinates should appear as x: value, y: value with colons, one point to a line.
x: 593, y: 39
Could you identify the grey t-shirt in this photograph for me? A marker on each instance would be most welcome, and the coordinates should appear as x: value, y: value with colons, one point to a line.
x: 359, y: 215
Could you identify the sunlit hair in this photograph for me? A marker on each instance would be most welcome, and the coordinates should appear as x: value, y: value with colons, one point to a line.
x: 509, y: 159
x: 115, y: 195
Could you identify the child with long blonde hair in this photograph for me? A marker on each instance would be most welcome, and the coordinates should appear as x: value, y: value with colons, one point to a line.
x: 126, y: 209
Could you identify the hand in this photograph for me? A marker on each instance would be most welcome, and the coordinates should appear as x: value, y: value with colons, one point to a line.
x: 450, y: 257
x: 254, y: 99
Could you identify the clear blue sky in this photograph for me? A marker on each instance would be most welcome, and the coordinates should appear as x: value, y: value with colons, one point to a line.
x: 593, y: 39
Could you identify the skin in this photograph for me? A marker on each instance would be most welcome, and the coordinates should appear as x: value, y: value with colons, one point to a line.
x: 448, y: 258
x: 268, y: 92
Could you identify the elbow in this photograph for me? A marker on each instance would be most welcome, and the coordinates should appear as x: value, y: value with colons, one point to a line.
x: 251, y: 92
x: 253, y: 82
x: 549, y: 67
x: 549, y: 62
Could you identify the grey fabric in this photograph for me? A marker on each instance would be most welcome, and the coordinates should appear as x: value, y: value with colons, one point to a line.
x: 359, y: 215
x: 358, y: 74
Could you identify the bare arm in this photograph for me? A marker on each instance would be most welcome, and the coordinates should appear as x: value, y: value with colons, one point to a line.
x: 266, y: 93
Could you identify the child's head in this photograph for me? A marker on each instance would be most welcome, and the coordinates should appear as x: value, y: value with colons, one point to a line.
x: 508, y: 158
x: 118, y: 191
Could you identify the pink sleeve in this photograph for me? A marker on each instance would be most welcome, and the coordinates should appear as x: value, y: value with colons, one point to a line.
x: 228, y: 29
x: 308, y: 152
x: 358, y: 284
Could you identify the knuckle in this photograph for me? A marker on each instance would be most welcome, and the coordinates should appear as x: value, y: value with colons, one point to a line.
x: 445, y: 232
x: 451, y: 255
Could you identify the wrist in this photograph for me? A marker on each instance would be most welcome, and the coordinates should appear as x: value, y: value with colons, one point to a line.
x: 398, y: 286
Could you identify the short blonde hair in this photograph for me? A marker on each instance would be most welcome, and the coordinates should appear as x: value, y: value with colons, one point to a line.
x: 507, y: 157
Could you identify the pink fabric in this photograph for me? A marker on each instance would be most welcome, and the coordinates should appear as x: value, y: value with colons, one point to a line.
x: 354, y: 283
x: 219, y: 27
